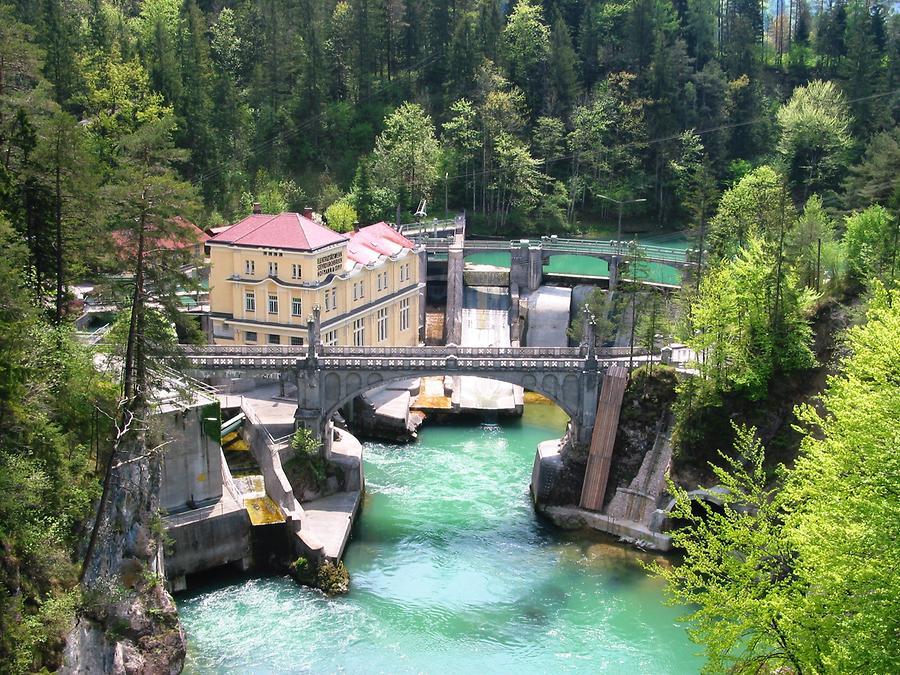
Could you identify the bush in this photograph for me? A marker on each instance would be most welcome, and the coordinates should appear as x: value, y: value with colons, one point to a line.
x: 333, y: 579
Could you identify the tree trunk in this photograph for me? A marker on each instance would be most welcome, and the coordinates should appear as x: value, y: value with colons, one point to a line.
x: 59, y: 238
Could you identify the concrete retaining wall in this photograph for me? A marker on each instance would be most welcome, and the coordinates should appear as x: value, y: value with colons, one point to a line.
x: 211, y: 542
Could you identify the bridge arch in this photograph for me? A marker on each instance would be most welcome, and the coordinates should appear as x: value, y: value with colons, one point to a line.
x: 565, y: 394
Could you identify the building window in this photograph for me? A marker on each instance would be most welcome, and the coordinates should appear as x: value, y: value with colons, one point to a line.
x: 327, y: 301
x: 404, y: 272
x: 333, y: 298
x: 296, y: 341
x: 273, y: 269
x: 296, y: 272
x: 249, y: 267
x: 250, y: 301
x: 330, y: 338
x: 404, y: 314
x: 382, y: 325
x: 273, y: 304
x: 250, y: 336
x: 296, y: 307
x: 359, y: 332
x: 274, y: 339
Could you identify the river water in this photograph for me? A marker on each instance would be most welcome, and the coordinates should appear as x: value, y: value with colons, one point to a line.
x: 451, y: 572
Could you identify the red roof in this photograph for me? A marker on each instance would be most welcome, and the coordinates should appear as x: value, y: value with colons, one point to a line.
x: 286, y: 230
x: 376, y: 240
x: 189, y: 235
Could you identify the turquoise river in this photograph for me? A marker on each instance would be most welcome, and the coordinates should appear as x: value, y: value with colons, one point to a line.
x: 451, y: 572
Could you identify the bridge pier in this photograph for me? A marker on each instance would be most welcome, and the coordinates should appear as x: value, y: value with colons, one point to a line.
x: 453, y: 311
x: 613, y: 264
x: 526, y: 267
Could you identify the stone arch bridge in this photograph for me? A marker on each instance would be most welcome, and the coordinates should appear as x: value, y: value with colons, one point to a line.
x: 328, y: 377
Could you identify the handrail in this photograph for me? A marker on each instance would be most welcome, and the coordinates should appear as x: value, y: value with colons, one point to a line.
x: 298, y: 352
x: 652, y: 252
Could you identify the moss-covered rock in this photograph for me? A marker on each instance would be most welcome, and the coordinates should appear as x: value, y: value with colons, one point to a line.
x: 333, y: 578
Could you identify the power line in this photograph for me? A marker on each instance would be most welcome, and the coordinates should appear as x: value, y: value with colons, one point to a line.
x: 664, y: 139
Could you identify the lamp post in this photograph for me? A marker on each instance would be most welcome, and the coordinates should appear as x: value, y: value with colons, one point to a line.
x: 621, y: 203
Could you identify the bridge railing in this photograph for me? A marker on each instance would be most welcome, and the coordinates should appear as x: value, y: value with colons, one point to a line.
x: 297, y: 352
x: 452, y: 350
x: 652, y: 252
x: 243, y: 350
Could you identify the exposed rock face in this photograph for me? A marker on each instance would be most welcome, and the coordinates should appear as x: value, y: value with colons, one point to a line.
x: 129, y: 622
x: 647, y: 402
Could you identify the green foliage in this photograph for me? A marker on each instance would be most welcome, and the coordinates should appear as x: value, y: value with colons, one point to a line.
x: 742, y: 333
x: 274, y: 196
x: 843, y: 505
x: 874, y: 180
x: 798, y: 572
x: 815, y: 136
x: 597, y: 305
x: 307, y: 458
x: 737, y: 569
x: 50, y: 394
x: 340, y: 216
x: 752, y: 208
x: 333, y: 578
x: 871, y: 238
x: 811, y: 245
x: 407, y: 153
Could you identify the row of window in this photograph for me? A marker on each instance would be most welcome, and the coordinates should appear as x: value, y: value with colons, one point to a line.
x: 250, y: 304
x: 330, y: 303
x: 250, y: 269
x: 272, y: 338
x: 297, y: 272
x: 330, y: 337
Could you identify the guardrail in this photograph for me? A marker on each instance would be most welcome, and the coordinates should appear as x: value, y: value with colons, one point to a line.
x: 276, y: 351
x: 652, y: 252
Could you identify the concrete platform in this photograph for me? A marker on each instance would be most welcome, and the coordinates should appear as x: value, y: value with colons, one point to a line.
x: 330, y: 519
x: 275, y: 413
x: 573, y: 517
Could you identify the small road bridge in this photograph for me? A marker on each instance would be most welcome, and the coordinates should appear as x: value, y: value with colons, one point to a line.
x: 327, y: 377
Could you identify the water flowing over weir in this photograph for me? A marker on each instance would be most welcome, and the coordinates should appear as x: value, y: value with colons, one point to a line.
x: 451, y: 572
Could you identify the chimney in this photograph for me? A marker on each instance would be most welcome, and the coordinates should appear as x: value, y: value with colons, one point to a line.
x: 307, y: 213
x: 356, y: 226
x: 257, y: 207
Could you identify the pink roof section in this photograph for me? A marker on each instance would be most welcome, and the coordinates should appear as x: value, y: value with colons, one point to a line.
x: 186, y: 236
x: 376, y: 240
x: 286, y: 230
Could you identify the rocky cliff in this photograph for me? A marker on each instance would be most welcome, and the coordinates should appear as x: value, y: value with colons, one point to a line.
x: 128, y: 622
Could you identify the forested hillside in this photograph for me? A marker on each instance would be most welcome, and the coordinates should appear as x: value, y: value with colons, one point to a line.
x: 519, y: 111
x: 767, y: 130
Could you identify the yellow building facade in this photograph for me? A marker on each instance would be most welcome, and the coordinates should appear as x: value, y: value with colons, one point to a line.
x: 268, y: 273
